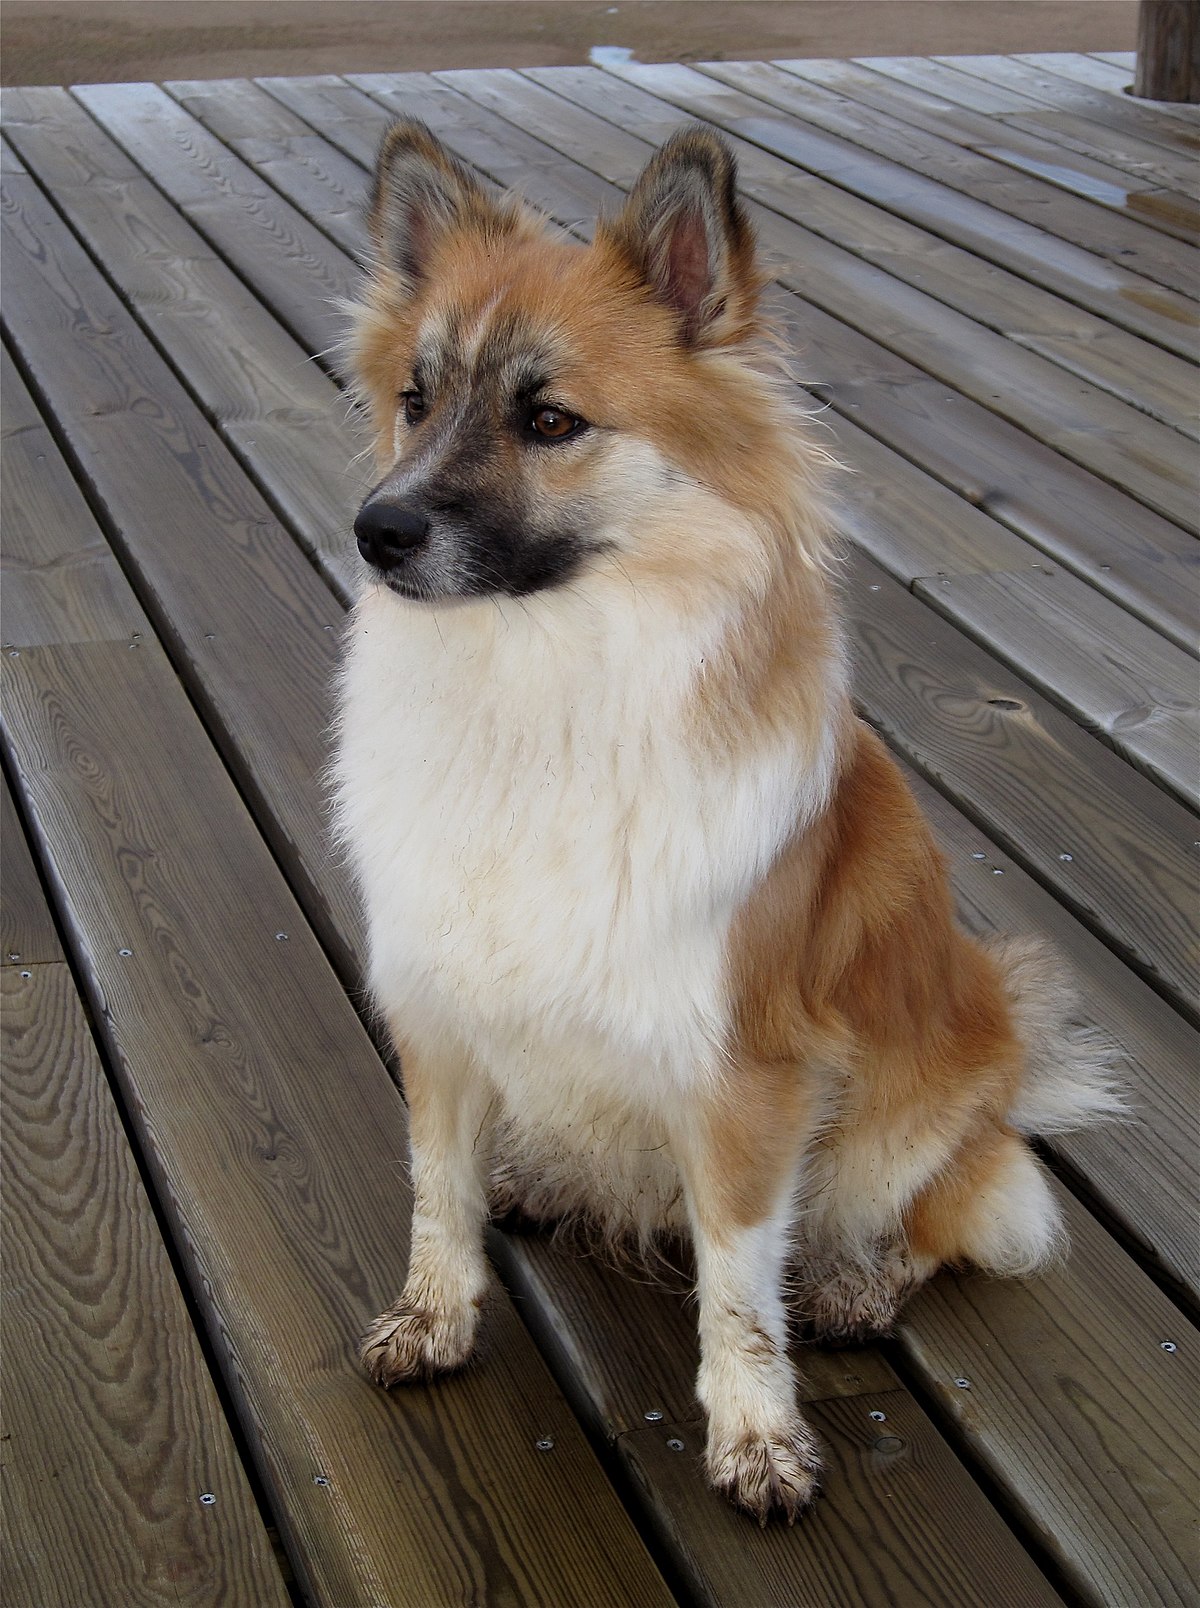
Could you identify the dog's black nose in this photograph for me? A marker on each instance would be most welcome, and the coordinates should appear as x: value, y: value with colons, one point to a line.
x: 388, y: 531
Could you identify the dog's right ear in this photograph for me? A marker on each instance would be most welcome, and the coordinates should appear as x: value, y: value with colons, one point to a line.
x: 419, y: 195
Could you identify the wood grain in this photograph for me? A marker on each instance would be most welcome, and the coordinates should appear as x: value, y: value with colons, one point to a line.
x: 236, y: 598
x: 907, y: 1531
x: 112, y: 1428
x: 275, y: 1139
x: 1113, y: 847
x: 27, y: 932
x: 1117, y: 676
x: 1098, y: 1443
x: 284, y: 419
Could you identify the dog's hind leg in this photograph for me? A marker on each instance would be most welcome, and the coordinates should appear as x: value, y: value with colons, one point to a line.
x: 740, y: 1202
x: 431, y: 1328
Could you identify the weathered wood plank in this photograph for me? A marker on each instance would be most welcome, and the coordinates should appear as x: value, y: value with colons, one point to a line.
x: 27, y: 932
x: 1112, y: 71
x: 261, y: 1102
x: 1122, y: 679
x: 118, y: 404
x: 59, y: 572
x: 1040, y: 103
x: 261, y: 235
x: 112, y: 1427
x: 283, y: 417
x: 1114, y: 848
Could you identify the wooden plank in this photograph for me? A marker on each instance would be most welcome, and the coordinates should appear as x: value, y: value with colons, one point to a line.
x: 112, y: 1427
x: 261, y: 1102
x: 1092, y: 658
x: 261, y: 235
x: 55, y: 563
x: 1141, y: 1174
x: 1065, y: 193
x: 1112, y: 71
x: 27, y: 932
x: 118, y: 404
x: 1152, y: 379
x: 1111, y: 1402
x: 283, y: 418
x: 1038, y: 103
x: 1155, y: 256
x: 1113, y: 847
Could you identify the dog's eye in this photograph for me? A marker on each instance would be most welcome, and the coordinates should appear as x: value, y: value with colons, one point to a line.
x: 554, y: 424
x: 414, y: 406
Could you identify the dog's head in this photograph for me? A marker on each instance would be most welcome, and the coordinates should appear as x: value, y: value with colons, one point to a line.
x: 537, y: 404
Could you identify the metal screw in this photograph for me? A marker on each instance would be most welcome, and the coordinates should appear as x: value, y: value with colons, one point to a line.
x: 125, y: 952
x: 135, y: 644
x: 13, y: 956
x: 875, y: 588
x: 320, y: 1479
x: 996, y: 871
x: 545, y: 1444
x: 1167, y: 1345
x: 878, y: 1417
x: 674, y: 1444
x: 1106, y: 568
x: 654, y: 1416
x: 281, y: 937
x: 14, y: 653
x: 1065, y: 856
x: 210, y: 636
x: 979, y: 855
x: 26, y: 974
x: 963, y: 1384
x: 207, y: 1498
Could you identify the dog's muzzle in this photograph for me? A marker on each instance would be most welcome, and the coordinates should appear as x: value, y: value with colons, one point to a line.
x: 389, y: 532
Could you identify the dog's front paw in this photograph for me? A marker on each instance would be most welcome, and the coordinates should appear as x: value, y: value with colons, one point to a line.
x: 415, y: 1343
x: 768, y: 1474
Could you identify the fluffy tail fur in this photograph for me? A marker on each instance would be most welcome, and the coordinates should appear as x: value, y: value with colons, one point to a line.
x: 1071, y: 1076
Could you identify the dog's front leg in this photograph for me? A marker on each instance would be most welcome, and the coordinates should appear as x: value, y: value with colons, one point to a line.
x: 431, y: 1328
x: 760, y: 1452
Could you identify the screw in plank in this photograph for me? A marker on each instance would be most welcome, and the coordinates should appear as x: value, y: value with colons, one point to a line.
x: 978, y: 854
x: 877, y: 1417
x: 14, y: 653
x: 545, y: 1444
x: 26, y: 974
x: 13, y: 956
x: 996, y: 871
x: 320, y: 1479
x: 207, y: 1498
x: 654, y: 1416
x: 963, y: 1384
x: 675, y: 1444
x: 281, y: 937
x: 1065, y: 856
x: 125, y: 952
x: 1167, y: 1345
x: 875, y: 588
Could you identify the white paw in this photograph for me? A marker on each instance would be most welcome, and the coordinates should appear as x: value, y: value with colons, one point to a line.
x: 413, y: 1343
x: 768, y: 1474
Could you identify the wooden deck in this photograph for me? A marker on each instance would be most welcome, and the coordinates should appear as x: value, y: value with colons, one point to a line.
x: 986, y: 269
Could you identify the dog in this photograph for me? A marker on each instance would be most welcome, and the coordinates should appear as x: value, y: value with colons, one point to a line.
x: 659, y: 932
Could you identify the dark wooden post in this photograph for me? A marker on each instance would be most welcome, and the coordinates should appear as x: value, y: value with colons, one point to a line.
x: 1168, y: 50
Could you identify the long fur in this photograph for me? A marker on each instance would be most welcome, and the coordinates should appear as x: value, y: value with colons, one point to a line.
x: 664, y: 941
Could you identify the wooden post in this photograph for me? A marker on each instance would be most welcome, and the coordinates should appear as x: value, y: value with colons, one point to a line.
x: 1168, y: 50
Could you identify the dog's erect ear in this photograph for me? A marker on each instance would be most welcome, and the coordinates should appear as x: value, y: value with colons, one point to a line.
x: 687, y: 235
x: 421, y: 193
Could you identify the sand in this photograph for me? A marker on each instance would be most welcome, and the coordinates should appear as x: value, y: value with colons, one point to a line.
x: 92, y: 41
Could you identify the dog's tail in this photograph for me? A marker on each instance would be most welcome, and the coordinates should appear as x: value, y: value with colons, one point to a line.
x: 1072, y: 1071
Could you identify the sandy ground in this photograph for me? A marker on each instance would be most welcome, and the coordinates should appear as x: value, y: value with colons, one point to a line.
x: 91, y: 41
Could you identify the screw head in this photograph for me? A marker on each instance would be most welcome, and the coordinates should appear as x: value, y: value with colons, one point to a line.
x: 877, y: 1417
x: 1066, y: 856
x: 963, y: 1384
x: 320, y: 1479
x: 675, y: 1444
x: 26, y: 974
x: 281, y: 937
x: 207, y: 1498
x: 14, y: 653
x: 978, y: 854
x: 997, y: 871
x: 654, y: 1416
x: 545, y: 1444
x: 1167, y: 1345
x: 13, y: 956
x: 125, y: 952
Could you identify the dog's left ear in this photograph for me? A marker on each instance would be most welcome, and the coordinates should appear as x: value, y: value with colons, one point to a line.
x: 686, y: 233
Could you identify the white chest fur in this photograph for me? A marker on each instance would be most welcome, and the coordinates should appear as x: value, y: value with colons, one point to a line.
x: 549, y: 859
